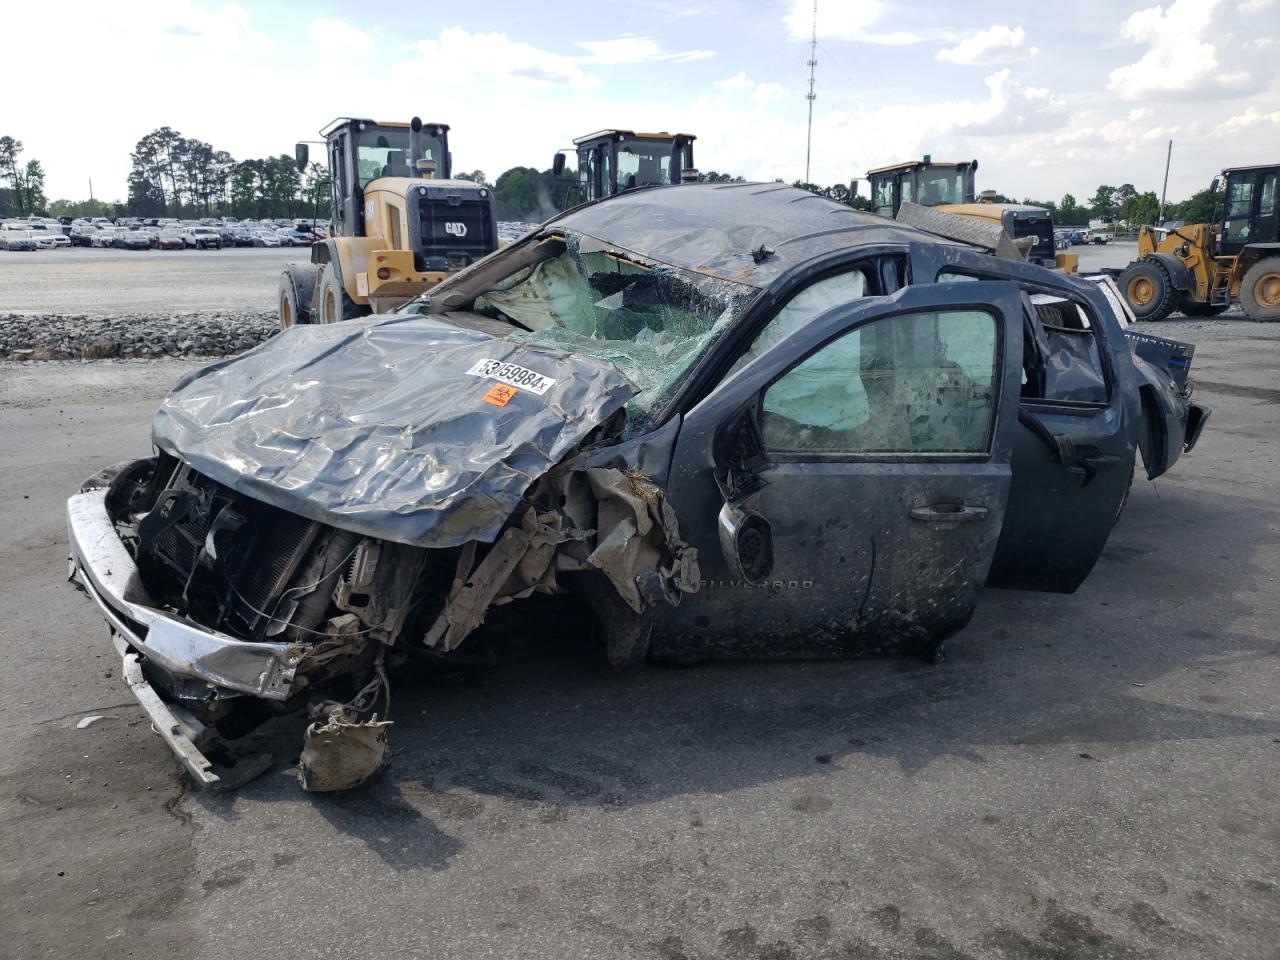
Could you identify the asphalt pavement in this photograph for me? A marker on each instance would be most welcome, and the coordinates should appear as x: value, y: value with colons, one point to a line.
x: 1087, y: 776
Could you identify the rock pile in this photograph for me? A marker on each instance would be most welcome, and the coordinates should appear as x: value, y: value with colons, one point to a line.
x: 25, y: 336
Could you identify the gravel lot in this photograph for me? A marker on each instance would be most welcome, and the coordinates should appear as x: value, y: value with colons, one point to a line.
x: 1089, y: 776
x: 82, y: 303
x: 115, y: 283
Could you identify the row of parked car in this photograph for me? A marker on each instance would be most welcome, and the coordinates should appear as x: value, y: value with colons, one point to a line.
x: 1078, y: 237
x: 43, y: 233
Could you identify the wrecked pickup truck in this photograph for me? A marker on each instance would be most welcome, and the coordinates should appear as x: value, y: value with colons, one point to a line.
x: 711, y: 421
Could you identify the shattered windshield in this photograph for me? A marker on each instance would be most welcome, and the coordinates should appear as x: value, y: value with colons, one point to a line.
x: 649, y: 319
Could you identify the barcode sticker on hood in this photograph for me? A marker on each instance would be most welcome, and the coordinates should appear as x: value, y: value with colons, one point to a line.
x: 513, y: 375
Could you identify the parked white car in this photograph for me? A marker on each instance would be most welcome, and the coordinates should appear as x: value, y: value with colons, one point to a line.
x: 104, y: 237
x: 266, y: 238
x: 16, y: 236
x: 48, y: 237
x: 202, y: 238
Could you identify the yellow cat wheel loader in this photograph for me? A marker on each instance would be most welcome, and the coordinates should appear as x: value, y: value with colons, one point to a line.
x: 949, y: 188
x: 610, y: 161
x: 399, y: 224
x: 1202, y: 268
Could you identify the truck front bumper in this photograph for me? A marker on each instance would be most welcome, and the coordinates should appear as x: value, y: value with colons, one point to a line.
x: 182, y: 651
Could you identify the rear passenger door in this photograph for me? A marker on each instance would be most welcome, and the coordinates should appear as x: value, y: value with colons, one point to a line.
x: 1078, y: 423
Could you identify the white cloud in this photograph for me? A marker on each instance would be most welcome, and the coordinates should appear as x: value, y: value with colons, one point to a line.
x: 463, y: 56
x: 338, y: 38
x: 849, y: 20
x: 765, y: 92
x: 1179, y: 61
x: 1255, y: 6
x: 632, y: 49
x: 1252, y: 117
x: 197, y: 28
x: 740, y: 83
x: 996, y: 44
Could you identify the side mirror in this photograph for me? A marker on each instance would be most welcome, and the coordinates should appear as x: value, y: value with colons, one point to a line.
x: 1217, y: 182
x: 746, y: 542
x: 557, y: 165
x: 301, y: 153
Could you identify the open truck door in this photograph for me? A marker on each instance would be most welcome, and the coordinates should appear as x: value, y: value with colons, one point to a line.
x: 1079, y: 419
x: 853, y: 477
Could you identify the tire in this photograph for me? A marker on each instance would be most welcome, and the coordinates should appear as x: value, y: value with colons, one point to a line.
x: 1194, y: 308
x: 294, y: 299
x: 1145, y: 284
x: 334, y: 304
x: 1260, y: 291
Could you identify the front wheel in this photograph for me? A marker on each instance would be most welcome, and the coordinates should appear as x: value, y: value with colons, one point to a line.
x: 1148, y: 289
x: 1260, y: 290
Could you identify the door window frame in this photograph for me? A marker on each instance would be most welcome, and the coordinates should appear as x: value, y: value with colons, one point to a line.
x: 911, y: 456
x: 926, y: 262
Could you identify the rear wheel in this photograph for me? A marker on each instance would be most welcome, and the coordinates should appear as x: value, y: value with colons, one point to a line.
x: 335, y: 305
x: 1260, y: 290
x: 1196, y: 308
x: 288, y: 303
x: 1148, y: 289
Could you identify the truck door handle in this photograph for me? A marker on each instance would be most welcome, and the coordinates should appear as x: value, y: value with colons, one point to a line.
x: 948, y: 513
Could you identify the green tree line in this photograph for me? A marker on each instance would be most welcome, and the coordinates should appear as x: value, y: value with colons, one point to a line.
x: 1126, y: 204
x: 179, y: 176
x: 21, y: 184
x: 176, y: 176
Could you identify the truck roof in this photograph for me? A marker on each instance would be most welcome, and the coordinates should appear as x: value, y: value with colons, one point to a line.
x: 717, y: 229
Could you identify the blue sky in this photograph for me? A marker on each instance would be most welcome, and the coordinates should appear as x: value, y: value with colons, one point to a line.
x: 1051, y: 98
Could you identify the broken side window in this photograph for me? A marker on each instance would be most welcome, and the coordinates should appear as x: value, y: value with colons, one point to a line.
x: 1061, y: 358
x: 914, y: 383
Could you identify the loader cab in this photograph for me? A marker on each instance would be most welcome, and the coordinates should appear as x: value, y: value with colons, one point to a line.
x: 611, y: 161
x: 920, y: 181
x: 361, y: 151
x: 1250, y: 211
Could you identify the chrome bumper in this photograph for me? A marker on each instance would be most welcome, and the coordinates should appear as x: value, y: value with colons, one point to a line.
x: 177, y: 728
x: 101, y: 564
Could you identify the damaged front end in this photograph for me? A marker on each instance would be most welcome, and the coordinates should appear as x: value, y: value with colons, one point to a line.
x: 237, y: 607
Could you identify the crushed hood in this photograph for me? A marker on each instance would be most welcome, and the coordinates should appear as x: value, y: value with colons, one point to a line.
x: 405, y: 428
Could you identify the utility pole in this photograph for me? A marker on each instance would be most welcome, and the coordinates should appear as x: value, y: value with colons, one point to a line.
x: 1165, y: 189
x: 91, y: 189
x: 811, y: 96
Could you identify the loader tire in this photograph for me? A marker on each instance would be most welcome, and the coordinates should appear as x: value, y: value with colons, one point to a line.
x: 1196, y: 308
x: 1146, y: 286
x: 334, y: 304
x: 1260, y: 290
x: 292, y: 311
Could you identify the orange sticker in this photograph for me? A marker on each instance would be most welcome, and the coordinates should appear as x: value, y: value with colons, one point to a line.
x: 500, y: 394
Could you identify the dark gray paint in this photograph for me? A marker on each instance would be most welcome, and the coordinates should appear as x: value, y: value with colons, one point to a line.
x: 375, y: 426
x: 854, y: 571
